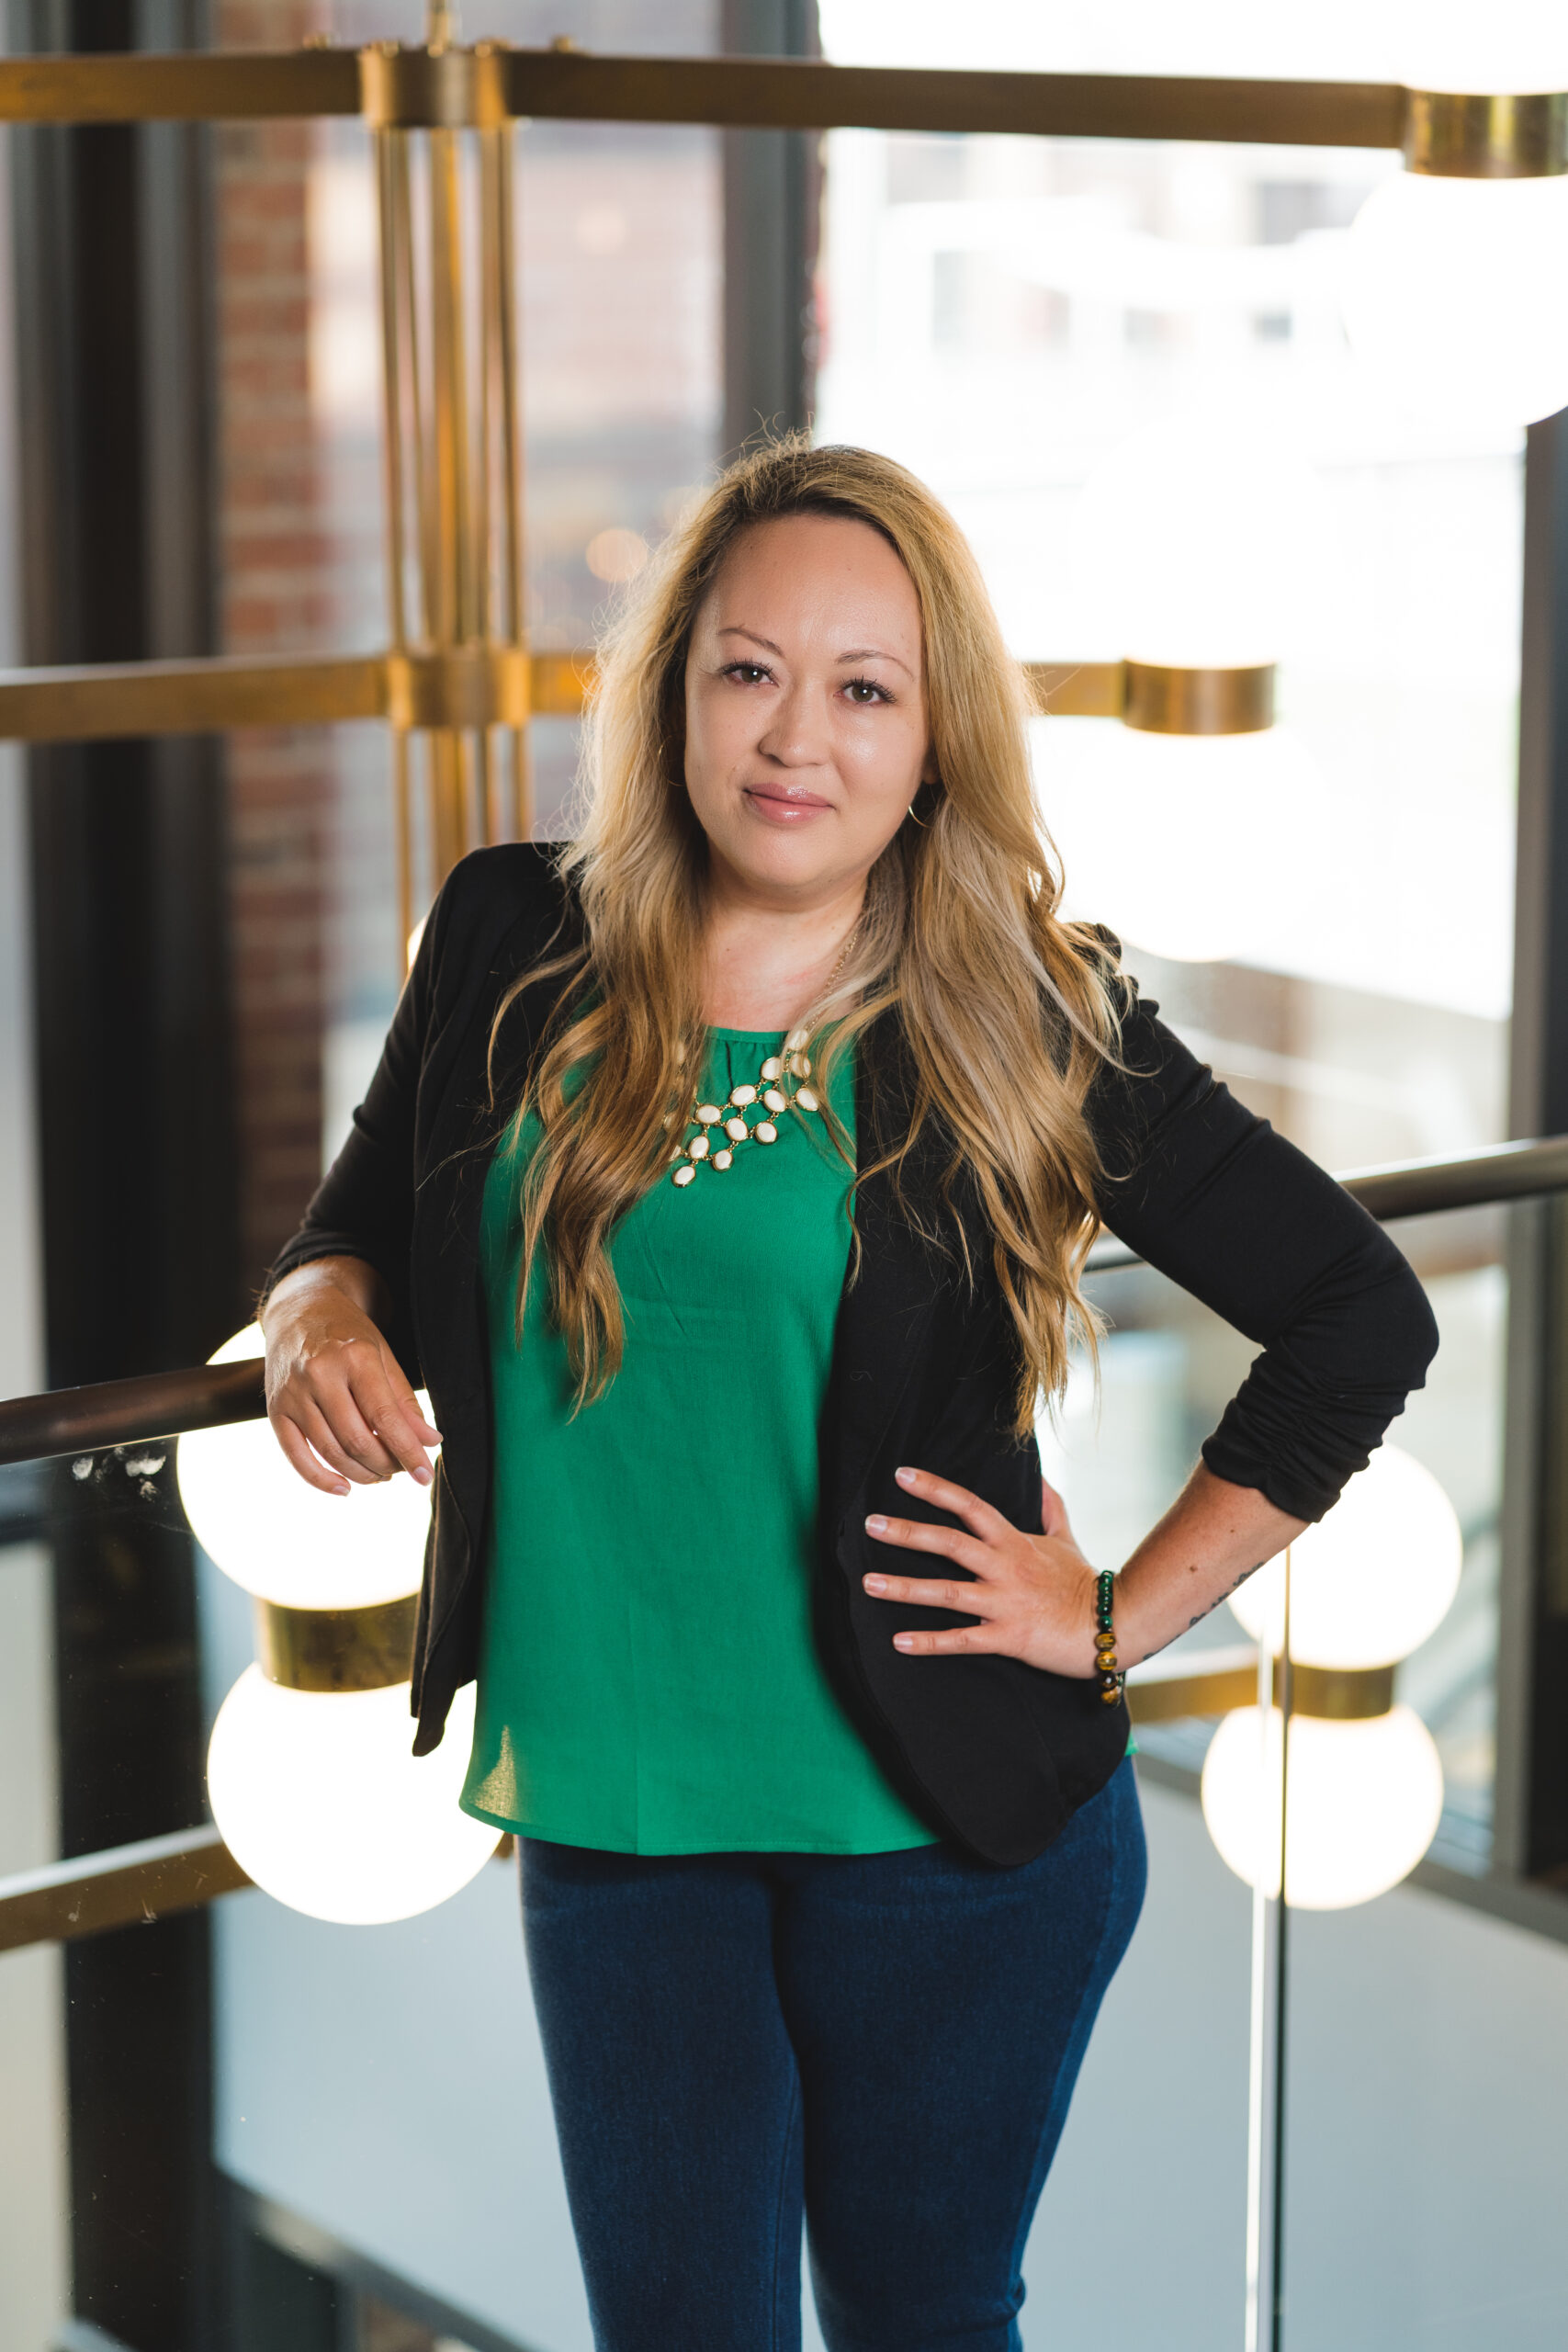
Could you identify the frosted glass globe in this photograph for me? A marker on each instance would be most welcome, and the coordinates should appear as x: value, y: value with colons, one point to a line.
x: 1506, y: 47
x: 1449, y: 298
x: 1188, y: 544
x: 321, y: 1799
x: 1167, y: 836
x: 256, y: 1519
x: 1373, y: 1580
x: 1364, y: 1801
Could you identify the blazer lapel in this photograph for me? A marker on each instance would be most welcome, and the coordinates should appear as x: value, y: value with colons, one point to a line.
x: 891, y: 1293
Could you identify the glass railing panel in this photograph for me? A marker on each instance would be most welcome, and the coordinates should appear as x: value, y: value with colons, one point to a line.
x: 1120, y: 1456
x: 34, y: 2250
x: 1424, y: 2068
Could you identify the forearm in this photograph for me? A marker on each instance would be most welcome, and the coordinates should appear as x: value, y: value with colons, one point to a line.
x: 1209, y: 1541
x: 353, y: 1279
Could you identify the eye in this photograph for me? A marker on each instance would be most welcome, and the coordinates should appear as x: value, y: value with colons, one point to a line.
x: 863, y: 692
x: 745, y: 674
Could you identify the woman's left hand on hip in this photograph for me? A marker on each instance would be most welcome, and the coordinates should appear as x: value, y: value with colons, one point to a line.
x: 1032, y: 1595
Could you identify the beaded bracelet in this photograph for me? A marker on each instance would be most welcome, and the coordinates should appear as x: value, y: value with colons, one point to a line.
x: 1110, y: 1680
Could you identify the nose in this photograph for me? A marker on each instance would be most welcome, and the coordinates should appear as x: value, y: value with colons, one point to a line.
x: 796, y: 733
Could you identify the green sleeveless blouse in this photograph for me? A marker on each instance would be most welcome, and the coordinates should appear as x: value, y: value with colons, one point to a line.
x: 648, y: 1682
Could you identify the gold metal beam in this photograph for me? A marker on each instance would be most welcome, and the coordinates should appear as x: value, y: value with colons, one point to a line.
x: 1215, y: 1682
x: 467, y: 686
x: 461, y: 686
x: 560, y: 683
x: 802, y: 94
x: 186, y: 87
x: 1167, y: 1690
x: 93, y: 700
x: 1079, y: 689
x: 797, y: 94
x: 120, y: 1887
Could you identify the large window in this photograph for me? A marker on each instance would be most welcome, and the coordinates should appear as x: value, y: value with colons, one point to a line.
x: 1037, y: 326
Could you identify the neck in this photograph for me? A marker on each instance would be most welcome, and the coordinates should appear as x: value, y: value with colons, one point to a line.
x: 764, y: 967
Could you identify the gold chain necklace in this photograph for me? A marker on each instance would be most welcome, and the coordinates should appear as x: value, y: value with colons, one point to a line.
x: 720, y: 1128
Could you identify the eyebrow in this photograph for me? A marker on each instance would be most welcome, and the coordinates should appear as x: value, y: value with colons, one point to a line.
x: 856, y: 653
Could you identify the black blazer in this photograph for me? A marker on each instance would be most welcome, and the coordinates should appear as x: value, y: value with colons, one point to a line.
x: 991, y: 1752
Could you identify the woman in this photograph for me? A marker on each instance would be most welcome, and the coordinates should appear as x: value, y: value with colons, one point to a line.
x: 728, y: 1179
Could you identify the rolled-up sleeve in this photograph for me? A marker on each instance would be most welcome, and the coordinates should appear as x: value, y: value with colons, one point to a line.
x: 1210, y: 1194
x: 364, y: 1205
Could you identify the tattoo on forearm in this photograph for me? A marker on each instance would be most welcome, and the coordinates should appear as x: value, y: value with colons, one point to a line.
x: 1213, y: 1604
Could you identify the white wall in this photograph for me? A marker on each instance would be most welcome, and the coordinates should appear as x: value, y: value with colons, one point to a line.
x: 1429, y: 2089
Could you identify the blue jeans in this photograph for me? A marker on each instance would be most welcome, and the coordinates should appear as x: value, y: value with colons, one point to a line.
x: 884, y: 2043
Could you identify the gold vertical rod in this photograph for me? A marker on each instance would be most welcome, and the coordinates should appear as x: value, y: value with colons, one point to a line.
x: 424, y: 514
x: 396, y: 411
x: 480, y: 531
x: 449, y: 598
x: 418, y: 426
x: 391, y: 372
x: 402, y: 818
x: 512, y: 524
x: 447, y: 796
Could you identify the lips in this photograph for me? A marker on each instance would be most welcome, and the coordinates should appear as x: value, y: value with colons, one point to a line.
x: 786, y: 807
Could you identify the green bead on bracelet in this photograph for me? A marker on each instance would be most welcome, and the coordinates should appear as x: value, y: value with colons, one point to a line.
x: 1110, y: 1678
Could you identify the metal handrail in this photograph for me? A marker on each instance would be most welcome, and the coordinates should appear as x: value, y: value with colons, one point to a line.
x: 117, y: 1887
x: 206, y: 1396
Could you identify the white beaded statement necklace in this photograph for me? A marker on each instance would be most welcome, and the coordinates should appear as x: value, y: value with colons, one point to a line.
x: 751, y: 1114
x: 720, y: 1128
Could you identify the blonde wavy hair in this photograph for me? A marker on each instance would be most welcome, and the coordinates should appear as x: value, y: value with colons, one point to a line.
x: 1008, y: 1011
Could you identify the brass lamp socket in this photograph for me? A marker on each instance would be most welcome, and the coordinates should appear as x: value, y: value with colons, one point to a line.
x: 336, y: 1650
x: 1229, y: 1680
x: 434, y: 89
x: 1344, y: 1694
x: 1161, y: 701
x: 1449, y: 136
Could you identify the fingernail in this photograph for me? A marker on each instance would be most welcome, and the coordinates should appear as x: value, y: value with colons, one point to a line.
x: 906, y: 1477
x: 421, y: 1476
x: 877, y: 1524
x: 875, y: 1584
x: 903, y: 1641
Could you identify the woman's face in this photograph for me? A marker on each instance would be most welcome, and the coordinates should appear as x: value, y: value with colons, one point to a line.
x: 805, y: 708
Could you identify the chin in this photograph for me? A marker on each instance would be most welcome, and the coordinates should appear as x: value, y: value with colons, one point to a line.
x: 794, y: 864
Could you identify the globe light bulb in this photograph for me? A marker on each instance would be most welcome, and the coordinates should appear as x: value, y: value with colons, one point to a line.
x: 1363, y: 1801
x: 1189, y: 537
x: 319, y: 1798
x: 1373, y: 1580
x: 256, y: 1519
x: 1160, y: 834
x: 1448, y: 298
x: 1506, y: 48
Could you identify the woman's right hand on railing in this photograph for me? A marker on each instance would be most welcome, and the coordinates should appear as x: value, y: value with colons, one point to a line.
x: 340, y: 1405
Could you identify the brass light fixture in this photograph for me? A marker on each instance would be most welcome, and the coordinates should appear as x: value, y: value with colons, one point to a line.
x: 443, y: 138
x: 1157, y: 698
x: 1449, y: 135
